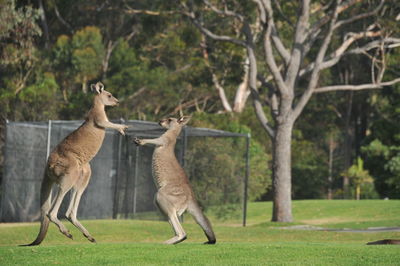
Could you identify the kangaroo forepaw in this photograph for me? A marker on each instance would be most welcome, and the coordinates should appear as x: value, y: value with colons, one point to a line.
x: 137, y: 141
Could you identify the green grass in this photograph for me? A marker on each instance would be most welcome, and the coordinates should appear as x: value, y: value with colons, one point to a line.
x: 137, y: 242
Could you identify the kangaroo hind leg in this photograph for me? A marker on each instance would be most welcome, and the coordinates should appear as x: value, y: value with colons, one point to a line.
x: 45, y: 206
x: 78, y: 190
x: 168, y: 209
x: 65, y: 184
x: 195, y: 210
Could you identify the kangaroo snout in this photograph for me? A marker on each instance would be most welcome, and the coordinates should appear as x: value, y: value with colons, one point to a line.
x: 162, y: 122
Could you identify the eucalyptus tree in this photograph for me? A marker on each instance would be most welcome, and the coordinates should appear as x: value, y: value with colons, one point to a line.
x: 289, y: 47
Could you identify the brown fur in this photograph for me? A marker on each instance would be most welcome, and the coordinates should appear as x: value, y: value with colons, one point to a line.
x: 385, y: 242
x: 68, y: 165
x: 175, y: 195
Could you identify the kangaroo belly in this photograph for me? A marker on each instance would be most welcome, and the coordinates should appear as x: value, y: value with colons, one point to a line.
x: 81, y: 145
x: 167, y: 171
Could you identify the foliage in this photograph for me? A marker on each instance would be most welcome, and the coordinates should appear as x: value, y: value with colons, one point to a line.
x: 17, y: 32
x: 358, y: 176
x: 84, y: 54
x: 309, y: 169
x: 157, y: 67
x: 385, y: 161
x: 221, y: 178
x: 18, y: 53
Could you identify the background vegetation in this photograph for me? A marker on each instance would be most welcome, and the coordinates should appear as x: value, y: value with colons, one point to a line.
x: 154, y: 61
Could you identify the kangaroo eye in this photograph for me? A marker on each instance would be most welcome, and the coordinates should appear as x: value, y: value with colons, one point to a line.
x: 109, y: 96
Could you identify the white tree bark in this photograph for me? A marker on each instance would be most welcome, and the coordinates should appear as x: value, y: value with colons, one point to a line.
x: 287, y: 66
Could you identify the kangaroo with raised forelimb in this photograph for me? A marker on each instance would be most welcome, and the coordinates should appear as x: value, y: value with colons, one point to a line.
x: 175, y: 195
x: 68, y: 165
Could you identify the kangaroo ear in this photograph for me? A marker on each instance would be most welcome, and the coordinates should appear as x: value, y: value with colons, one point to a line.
x: 93, y: 87
x: 98, y: 87
x: 184, y: 119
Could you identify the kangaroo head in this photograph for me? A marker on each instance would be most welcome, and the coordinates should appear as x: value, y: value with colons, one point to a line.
x: 172, y: 122
x: 104, y: 96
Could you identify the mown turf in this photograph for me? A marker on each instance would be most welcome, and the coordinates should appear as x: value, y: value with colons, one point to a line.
x: 196, y: 254
x: 134, y: 242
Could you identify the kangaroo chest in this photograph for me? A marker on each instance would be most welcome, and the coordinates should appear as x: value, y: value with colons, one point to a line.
x: 165, y: 167
x: 84, y: 143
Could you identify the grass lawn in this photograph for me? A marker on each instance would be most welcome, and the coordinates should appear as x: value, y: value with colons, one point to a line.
x: 137, y: 242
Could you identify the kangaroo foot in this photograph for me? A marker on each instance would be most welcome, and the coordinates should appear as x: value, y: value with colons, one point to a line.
x: 210, y: 242
x: 91, y: 239
x: 67, y: 234
x: 175, y: 240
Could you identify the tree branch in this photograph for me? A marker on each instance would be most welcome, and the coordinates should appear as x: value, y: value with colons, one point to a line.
x: 317, y: 68
x: 225, y: 12
x: 258, y: 107
x: 254, y: 93
x: 58, y: 15
x: 269, y: 57
x: 280, y: 12
x: 272, y: 101
x: 360, y: 16
x: 297, y: 53
x: 190, y: 14
x: 313, y: 33
x: 370, y: 86
x: 221, y: 93
x: 263, y: 6
x: 324, y: 20
x: 131, y: 10
x: 22, y: 83
x: 340, y: 52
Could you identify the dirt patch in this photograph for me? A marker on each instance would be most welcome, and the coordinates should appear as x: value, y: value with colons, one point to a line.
x: 330, y: 220
x: 366, y: 230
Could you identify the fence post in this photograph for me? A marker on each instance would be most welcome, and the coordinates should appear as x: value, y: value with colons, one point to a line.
x: 246, y: 179
x: 184, y: 140
x: 117, y: 176
x: 128, y: 173
x: 48, y: 139
x: 135, y: 179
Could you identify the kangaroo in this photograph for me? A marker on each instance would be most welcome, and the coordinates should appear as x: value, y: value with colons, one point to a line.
x: 68, y: 165
x: 385, y: 242
x: 174, y: 195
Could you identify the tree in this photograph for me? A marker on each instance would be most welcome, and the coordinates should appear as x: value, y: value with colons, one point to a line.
x: 294, y: 65
x: 358, y: 176
x: 18, y: 56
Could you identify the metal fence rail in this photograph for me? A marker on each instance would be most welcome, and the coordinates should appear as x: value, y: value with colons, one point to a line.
x: 121, y: 185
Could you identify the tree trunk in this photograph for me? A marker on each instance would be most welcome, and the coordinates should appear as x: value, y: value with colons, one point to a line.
x: 282, y: 176
x: 332, y: 146
x: 358, y: 191
x: 348, y: 143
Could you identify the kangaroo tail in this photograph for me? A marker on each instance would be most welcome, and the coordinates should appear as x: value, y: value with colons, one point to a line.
x: 195, y: 210
x: 45, y: 205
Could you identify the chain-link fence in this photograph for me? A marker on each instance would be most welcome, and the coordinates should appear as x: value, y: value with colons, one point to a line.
x: 121, y: 185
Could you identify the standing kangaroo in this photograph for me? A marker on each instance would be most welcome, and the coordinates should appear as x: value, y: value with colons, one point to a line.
x: 68, y: 165
x: 175, y: 195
